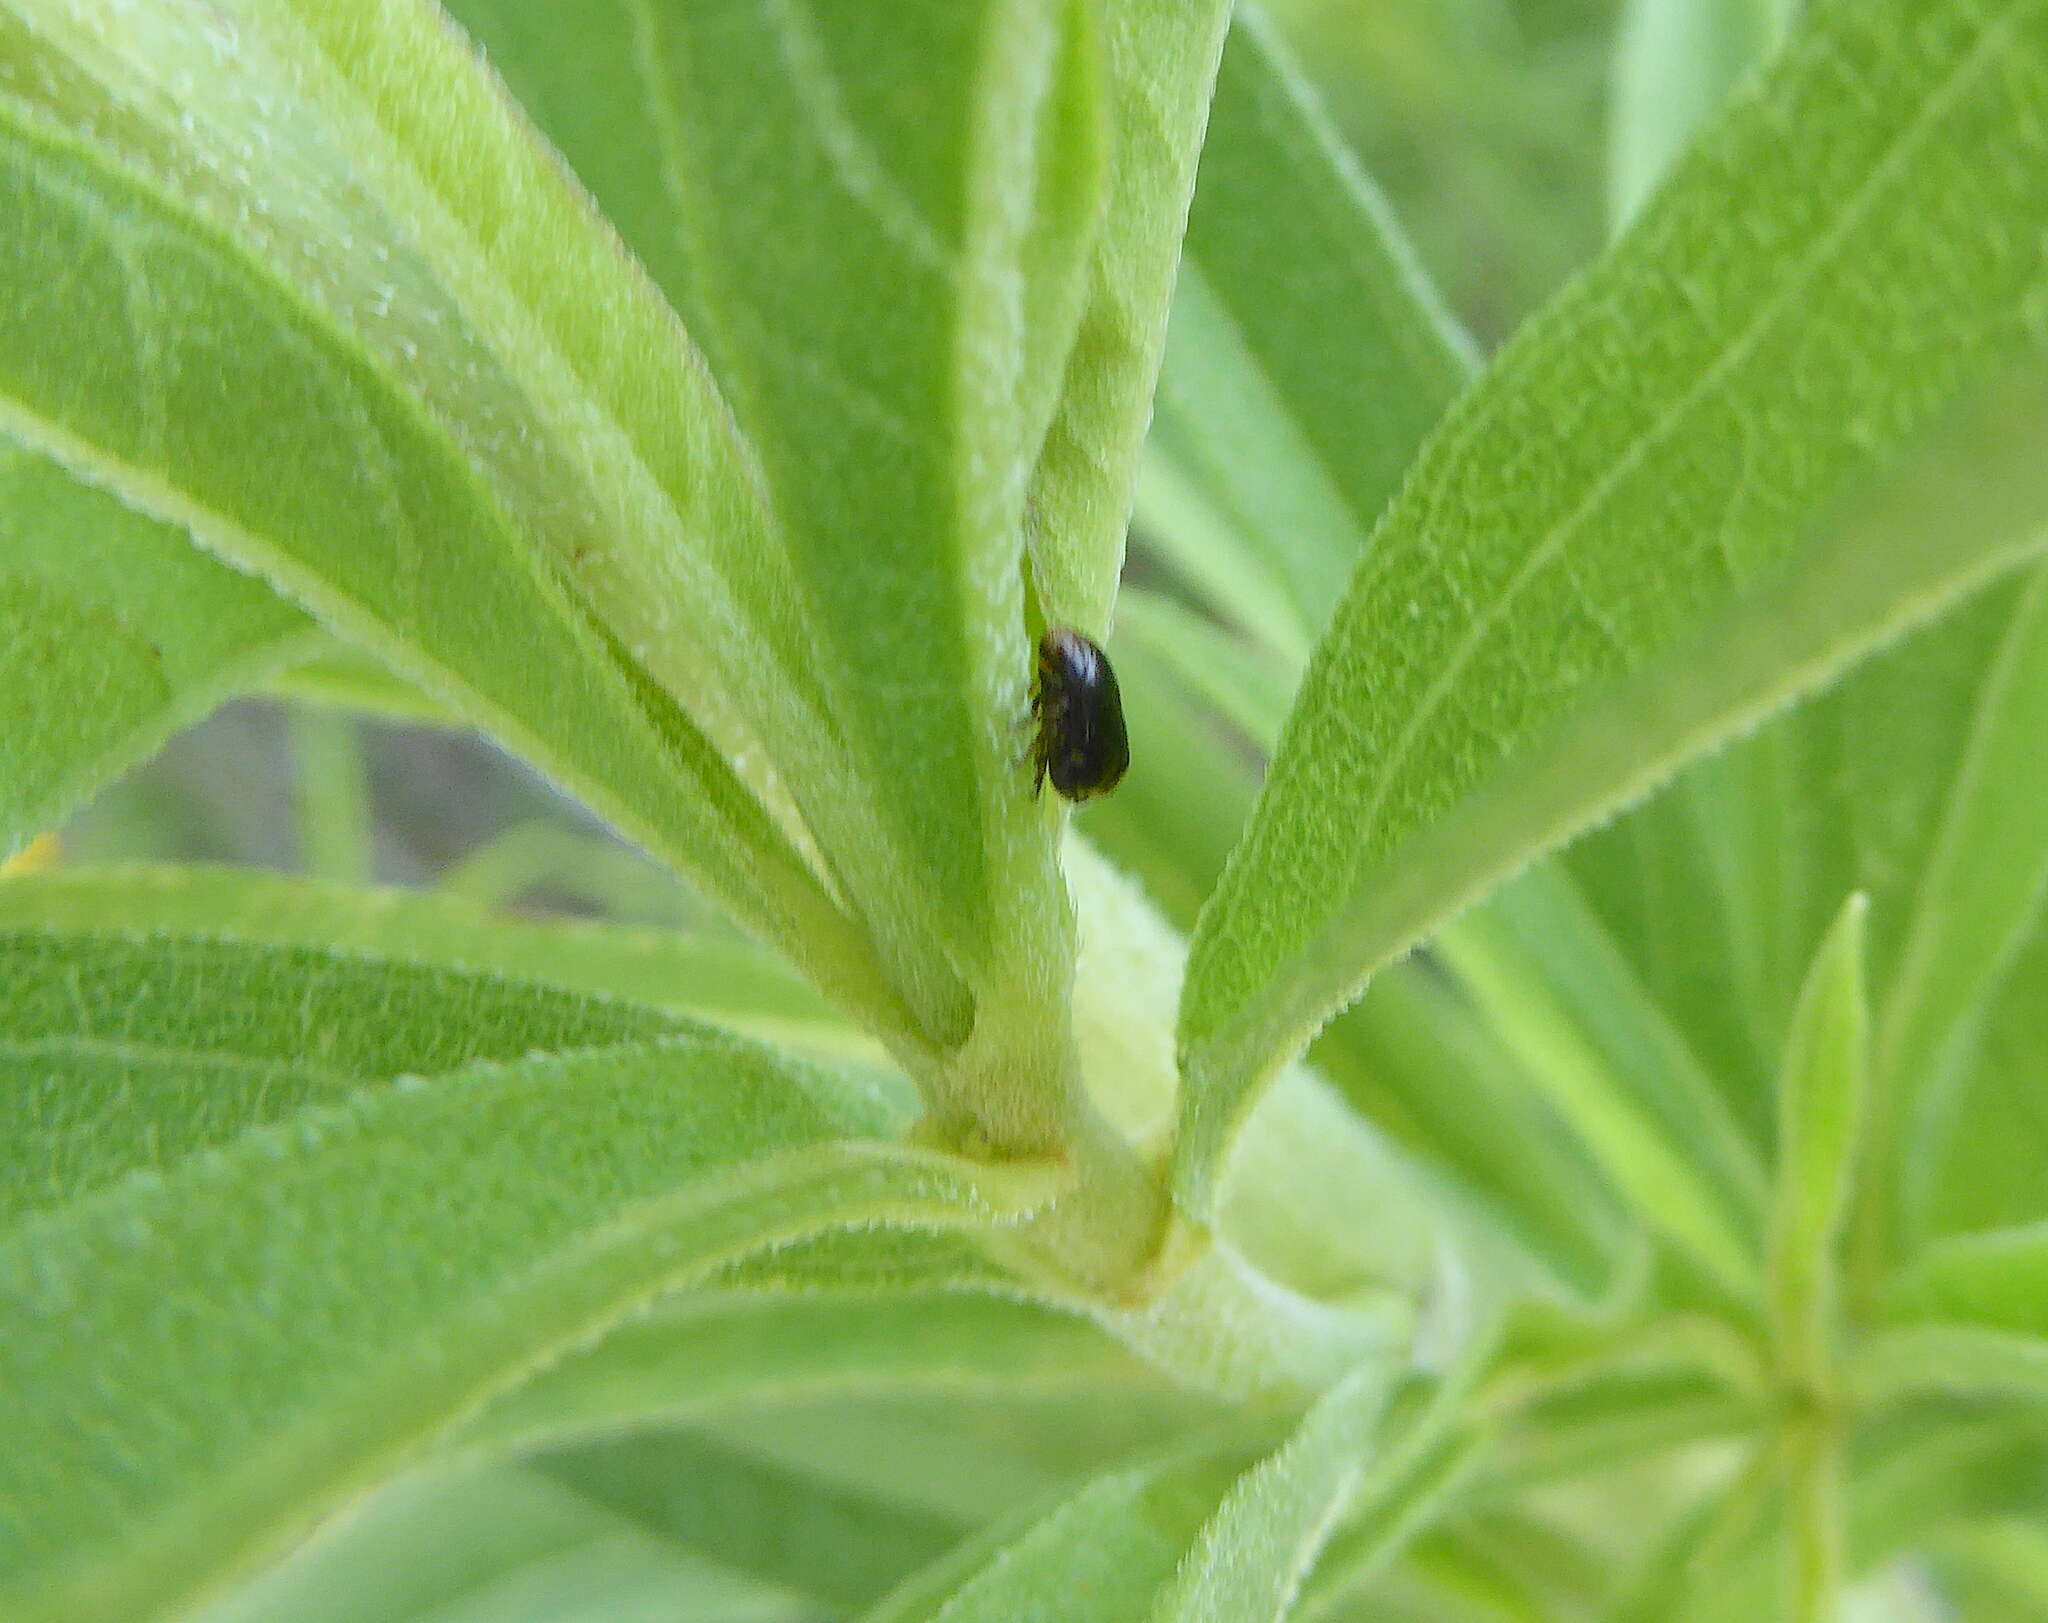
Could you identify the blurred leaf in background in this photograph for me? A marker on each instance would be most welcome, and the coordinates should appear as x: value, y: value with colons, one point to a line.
x: 1484, y: 120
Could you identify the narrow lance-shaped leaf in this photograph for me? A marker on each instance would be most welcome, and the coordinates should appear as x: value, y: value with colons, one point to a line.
x: 1201, y: 1537
x: 1253, y: 1554
x: 1415, y: 1058
x: 114, y: 632
x: 1177, y: 812
x: 1963, y: 1318
x: 729, y: 982
x: 1997, y: 1280
x: 1567, y: 1004
x: 889, y: 307
x: 507, y: 1544
x: 1952, y: 1360
x: 1820, y: 1106
x: 1978, y: 1160
x: 734, y: 1353
x: 290, y: 348
x: 1908, y: 780
x: 1160, y: 59
x: 1971, y: 910
x: 1240, y: 679
x: 886, y: 292
x: 128, y: 1056
x: 202, y: 1364
x: 1675, y: 62
x: 1305, y: 360
x: 842, y: 1547
x: 1668, y: 508
x: 1391, y: 1053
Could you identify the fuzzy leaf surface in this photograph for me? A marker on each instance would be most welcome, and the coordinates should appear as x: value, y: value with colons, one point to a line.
x: 726, y: 981
x: 1159, y: 60
x: 1194, y: 1538
x: 1675, y: 501
x: 387, y: 358
x: 885, y: 289
x: 271, y: 1313
x: 114, y: 632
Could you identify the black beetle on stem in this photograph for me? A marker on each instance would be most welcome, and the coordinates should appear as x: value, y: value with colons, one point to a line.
x: 1081, y: 744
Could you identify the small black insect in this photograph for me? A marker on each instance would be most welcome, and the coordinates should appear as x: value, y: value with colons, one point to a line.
x: 1081, y: 744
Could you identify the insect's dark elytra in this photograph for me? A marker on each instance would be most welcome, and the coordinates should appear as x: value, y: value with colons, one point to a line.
x: 1081, y: 745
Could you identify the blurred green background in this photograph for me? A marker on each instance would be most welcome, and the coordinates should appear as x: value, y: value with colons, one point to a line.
x: 1481, y: 119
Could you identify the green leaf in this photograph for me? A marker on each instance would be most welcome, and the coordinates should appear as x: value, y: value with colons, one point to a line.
x: 114, y: 633
x: 972, y: 1458
x: 126, y: 1055
x: 1238, y: 678
x: 1606, y: 1424
x: 726, y: 981
x: 387, y: 359
x: 1924, y: 1472
x: 735, y: 1352
x: 1720, y: 888
x: 1978, y: 896
x: 499, y: 1546
x: 1911, y: 781
x: 1914, y: 780
x: 1392, y: 1056
x: 1176, y: 1539
x: 887, y: 294
x: 842, y: 1548
x: 1395, y: 1517
x: 1675, y: 62
x: 345, y: 678
x: 1104, y: 1553
x: 1953, y: 1360
x: 1603, y: 1054
x: 1976, y: 1156
x: 1820, y: 1110
x: 1180, y: 807
x: 1997, y: 1280
x: 888, y: 308
x: 201, y: 1363
x: 1419, y: 1062
x: 1160, y: 68
x: 1249, y: 1561
x: 1996, y: 1569
x: 1267, y: 465
x: 613, y: 882
x: 1523, y: 650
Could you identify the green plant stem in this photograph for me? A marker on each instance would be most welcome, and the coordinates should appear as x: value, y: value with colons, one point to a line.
x: 1813, y: 1540
x: 1190, y: 1303
x: 333, y: 797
